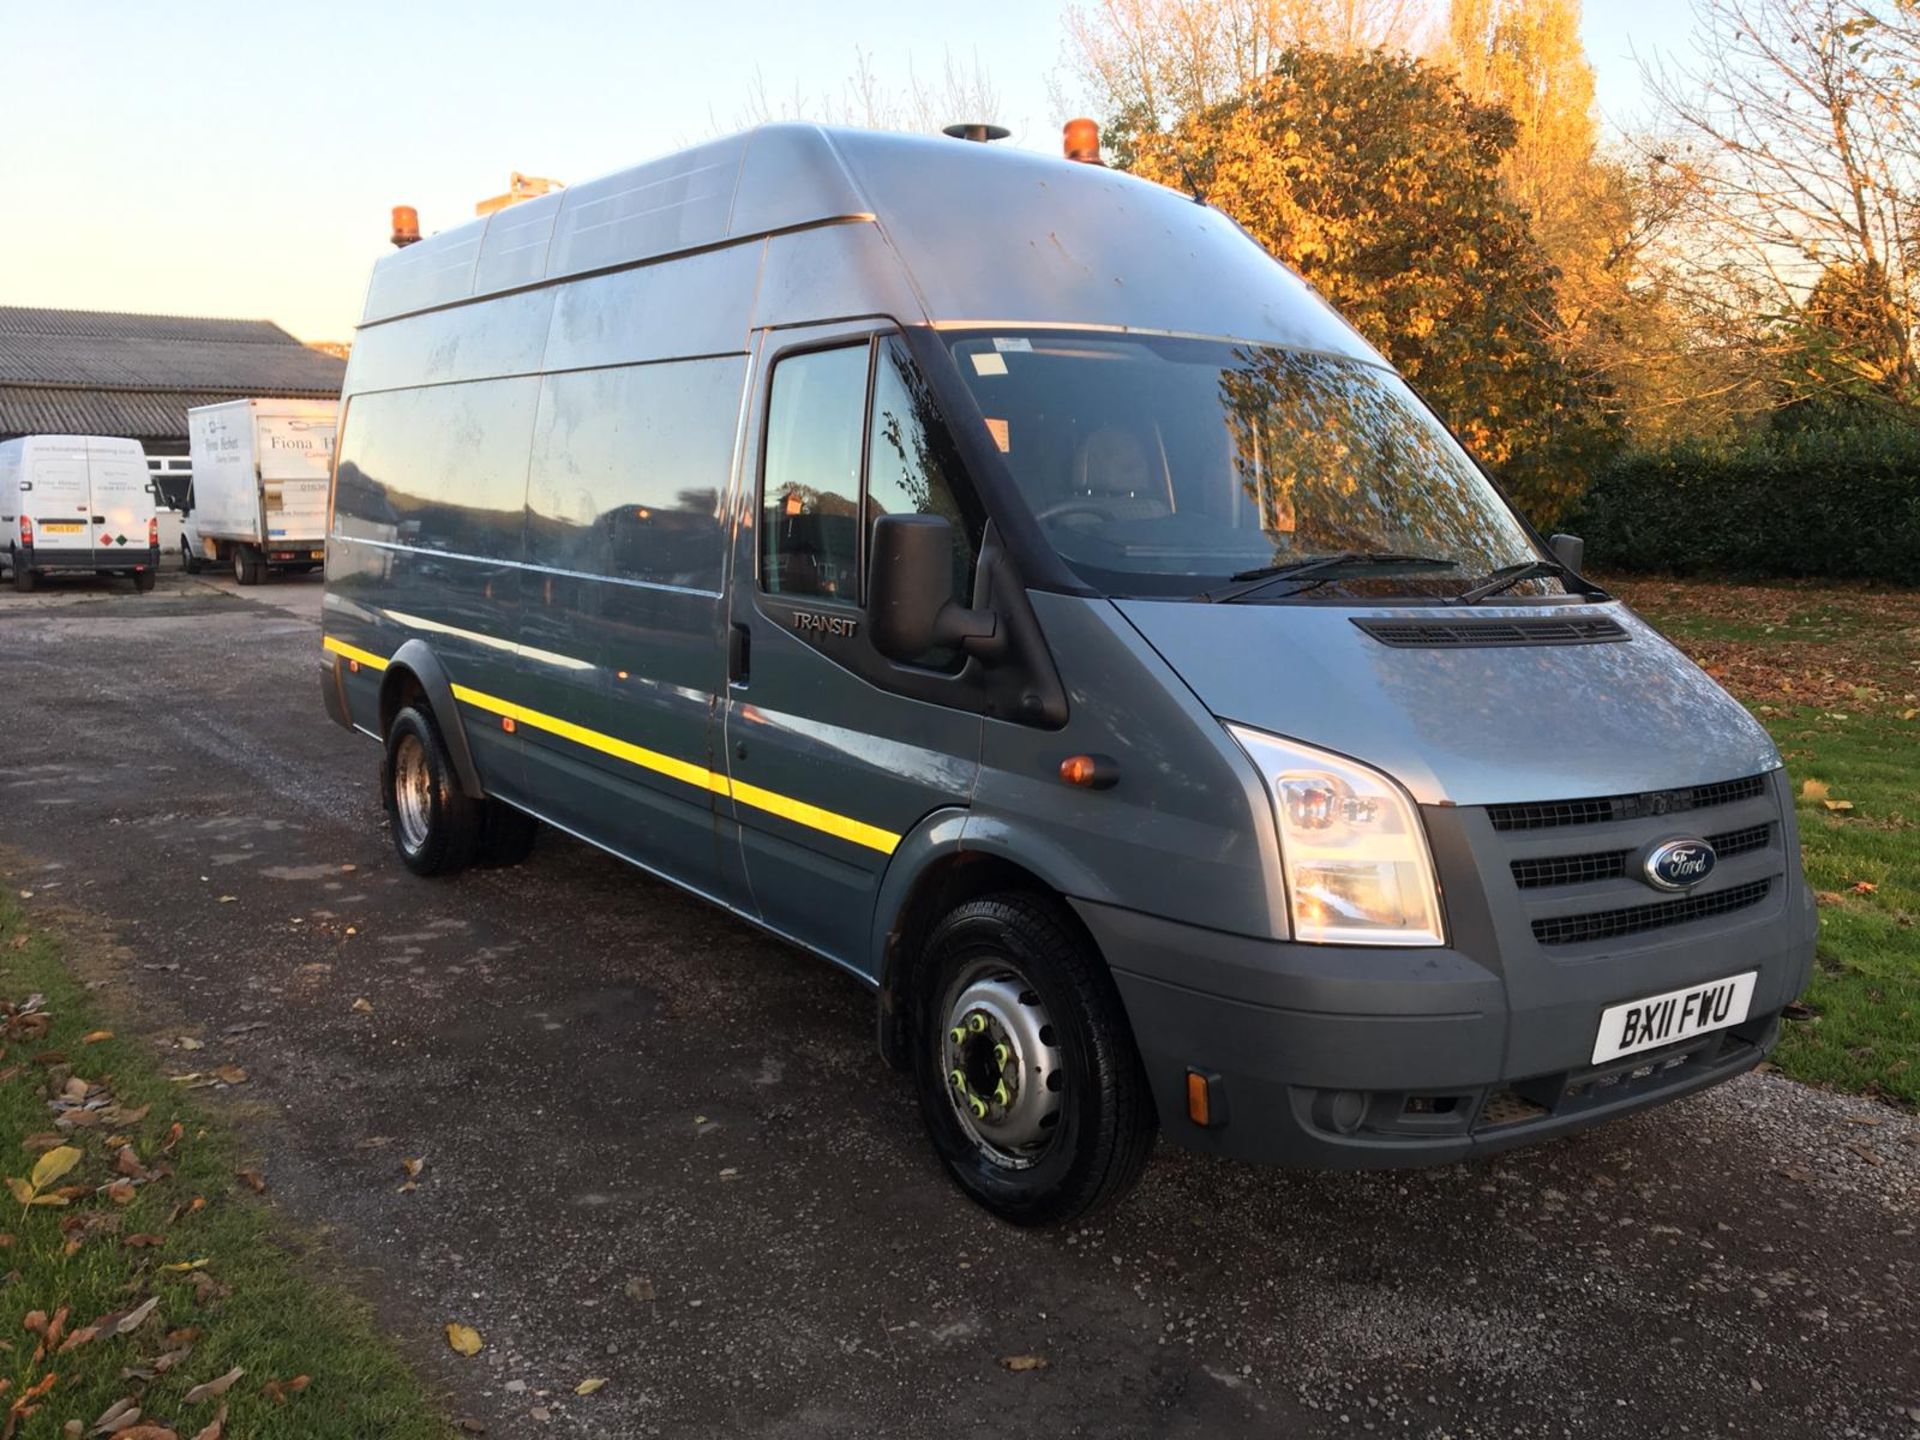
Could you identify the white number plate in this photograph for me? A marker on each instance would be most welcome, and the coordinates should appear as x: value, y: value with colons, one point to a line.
x: 1676, y: 1015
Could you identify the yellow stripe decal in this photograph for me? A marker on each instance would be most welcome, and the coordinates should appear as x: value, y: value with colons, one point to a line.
x: 698, y: 776
x: 798, y: 811
x: 350, y: 652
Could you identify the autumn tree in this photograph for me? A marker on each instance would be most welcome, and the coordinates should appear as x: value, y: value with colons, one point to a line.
x: 1378, y: 179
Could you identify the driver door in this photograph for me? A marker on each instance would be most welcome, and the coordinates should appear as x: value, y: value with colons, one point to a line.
x: 830, y: 764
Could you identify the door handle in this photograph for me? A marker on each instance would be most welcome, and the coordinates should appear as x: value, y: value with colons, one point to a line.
x: 739, y: 653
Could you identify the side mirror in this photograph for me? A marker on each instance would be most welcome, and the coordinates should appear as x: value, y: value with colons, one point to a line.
x: 1569, y: 550
x: 910, y: 605
x: 26, y: 485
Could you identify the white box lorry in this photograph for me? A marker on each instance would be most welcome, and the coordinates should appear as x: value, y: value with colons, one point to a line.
x: 77, y: 503
x: 258, y: 499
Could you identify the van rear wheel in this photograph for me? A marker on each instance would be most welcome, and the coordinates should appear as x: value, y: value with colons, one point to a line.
x: 1028, y: 1079
x: 247, y: 569
x: 143, y: 580
x: 436, y: 825
x: 23, y: 578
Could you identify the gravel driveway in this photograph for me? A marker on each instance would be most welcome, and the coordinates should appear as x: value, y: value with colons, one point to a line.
x: 661, y: 1149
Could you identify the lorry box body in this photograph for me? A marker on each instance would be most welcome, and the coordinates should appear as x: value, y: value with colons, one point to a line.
x: 1000, y: 577
x: 78, y: 504
x: 258, y: 498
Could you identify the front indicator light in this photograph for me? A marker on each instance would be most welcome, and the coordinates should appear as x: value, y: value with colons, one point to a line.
x: 1352, y: 850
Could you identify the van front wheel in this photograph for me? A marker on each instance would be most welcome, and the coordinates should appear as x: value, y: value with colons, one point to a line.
x: 1029, y: 1082
x: 436, y: 825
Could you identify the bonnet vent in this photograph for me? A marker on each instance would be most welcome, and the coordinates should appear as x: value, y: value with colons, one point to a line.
x: 1455, y: 634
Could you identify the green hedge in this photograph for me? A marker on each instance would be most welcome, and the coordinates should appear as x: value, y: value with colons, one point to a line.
x: 1840, y: 504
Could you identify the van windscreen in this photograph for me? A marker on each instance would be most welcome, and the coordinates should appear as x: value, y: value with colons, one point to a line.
x: 1161, y: 466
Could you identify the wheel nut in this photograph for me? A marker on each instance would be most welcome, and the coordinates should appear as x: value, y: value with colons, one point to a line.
x: 1000, y: 1095
x: 977, y: 1023
x: 957, y: 1034
x: 1001, y: 1054
x: 978, y: 1106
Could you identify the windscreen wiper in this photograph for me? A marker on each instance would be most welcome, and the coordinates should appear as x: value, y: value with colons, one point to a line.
x: 1317, y: 571
x: 1508, y: 576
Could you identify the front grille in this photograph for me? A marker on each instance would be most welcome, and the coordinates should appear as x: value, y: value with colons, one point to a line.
x: 1548, y: 814
x: 1429, y: 634
x: 1609, y: 924
x: 1612, y: 864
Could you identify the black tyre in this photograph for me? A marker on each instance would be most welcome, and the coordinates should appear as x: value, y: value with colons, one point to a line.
x: 143, y: 580
x: 189, y: 561
x: 507, y: 835
x: 1028, y: 1078
x: 436, y: 825
x: 23, y: 578
x: 246, y: 569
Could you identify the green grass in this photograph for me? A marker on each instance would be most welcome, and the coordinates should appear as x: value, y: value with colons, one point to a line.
x: 254, y: 1303
x: 1834, y: 675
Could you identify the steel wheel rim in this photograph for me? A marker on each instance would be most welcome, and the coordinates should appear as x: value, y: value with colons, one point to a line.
x: 1001, y: 1064
x: 412, y: 792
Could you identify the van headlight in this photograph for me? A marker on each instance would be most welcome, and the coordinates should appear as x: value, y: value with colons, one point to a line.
x: 1352, y: 849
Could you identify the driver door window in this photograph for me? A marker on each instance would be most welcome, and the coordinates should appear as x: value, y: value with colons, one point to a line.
x: 852, y: 435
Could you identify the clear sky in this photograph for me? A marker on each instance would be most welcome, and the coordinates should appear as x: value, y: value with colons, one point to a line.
x: 212, y: 158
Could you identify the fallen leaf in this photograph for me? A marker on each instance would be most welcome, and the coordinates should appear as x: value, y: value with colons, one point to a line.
x: 1838, y: 804
x: 228, y: 899
x: 94, y: 1037
x: 217, y: 1429
x: 214, y: 1388
x: 117, y: 1416
x: 640, y: 1287
x: 1828, y: 897
x: 1019, y: 1363
x: 128, y: 1164
x: 1863, y: 887
x: 464, y: 1338
x: 1910, y: 714
x: 1814, y: 789
x: 143, y: 1240
x: 181, y: 1267
x: 121, y: 1192
x: 413, y: 1167
x: 146, y: 1432
x: 52, y: 1165
x: 587, y: 1387
x: 231, y: 1075
x: 132, y: 1320
x: 187, y: 1042
x: 363, y: 1005
x: 253, y: 1180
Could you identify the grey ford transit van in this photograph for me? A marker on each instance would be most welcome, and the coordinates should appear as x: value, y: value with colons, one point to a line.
x: 998, y: 576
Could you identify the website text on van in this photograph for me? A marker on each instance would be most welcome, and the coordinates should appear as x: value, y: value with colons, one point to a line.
x: 998, y: 576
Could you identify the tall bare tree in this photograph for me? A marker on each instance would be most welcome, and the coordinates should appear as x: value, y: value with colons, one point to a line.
x: 1144, y: 64
x: 1800, y: 144
x: 960, y: 92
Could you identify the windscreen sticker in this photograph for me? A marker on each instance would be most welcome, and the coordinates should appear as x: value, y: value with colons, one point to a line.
x: 1017, y: 344
x: 998, y: 429
x: 989, y: 364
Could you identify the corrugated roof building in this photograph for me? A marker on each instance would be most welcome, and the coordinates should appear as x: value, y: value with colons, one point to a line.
x: 85, y: 372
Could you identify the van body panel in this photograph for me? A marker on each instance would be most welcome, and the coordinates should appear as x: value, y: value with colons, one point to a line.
x: 1464, y: 726
x: 1184, y: 832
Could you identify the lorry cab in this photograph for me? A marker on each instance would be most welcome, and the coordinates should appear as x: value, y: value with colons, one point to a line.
x: 77, y: 504
x: 998, y: 576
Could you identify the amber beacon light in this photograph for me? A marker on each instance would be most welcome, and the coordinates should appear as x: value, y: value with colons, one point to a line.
x: 1080, y: 140
x: 406, y: 226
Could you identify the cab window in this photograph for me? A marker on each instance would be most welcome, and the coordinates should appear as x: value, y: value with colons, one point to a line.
x: 852, y: 435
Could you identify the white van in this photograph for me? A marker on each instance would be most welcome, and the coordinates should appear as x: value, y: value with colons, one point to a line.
x: 78, y: 503
x: 258, y: 499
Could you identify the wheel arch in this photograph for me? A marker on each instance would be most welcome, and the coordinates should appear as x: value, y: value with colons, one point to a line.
x: 949, y: 859
x: 415, y: 672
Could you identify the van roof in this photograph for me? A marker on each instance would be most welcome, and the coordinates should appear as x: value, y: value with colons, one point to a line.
x: 986, y: 235
x: 88, y: 444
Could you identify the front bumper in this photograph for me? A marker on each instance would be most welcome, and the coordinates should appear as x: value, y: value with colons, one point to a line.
x: 1373, y: 1058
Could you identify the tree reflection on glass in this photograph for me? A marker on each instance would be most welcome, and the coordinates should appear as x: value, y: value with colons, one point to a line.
x: 1338, y: 455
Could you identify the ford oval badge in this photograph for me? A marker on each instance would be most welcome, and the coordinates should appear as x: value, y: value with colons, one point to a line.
x: 1679, y: 864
